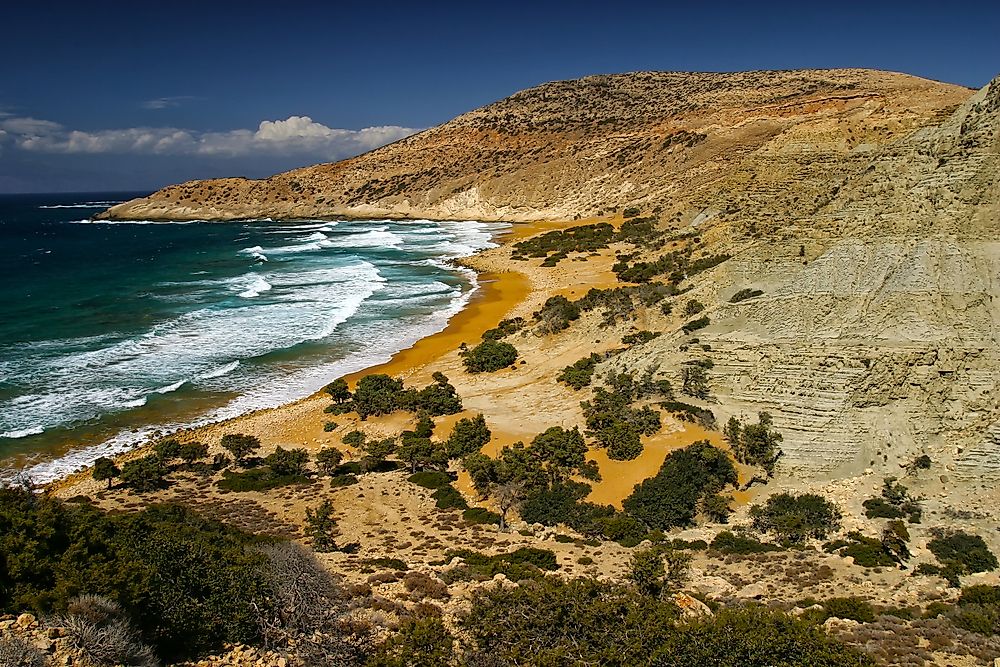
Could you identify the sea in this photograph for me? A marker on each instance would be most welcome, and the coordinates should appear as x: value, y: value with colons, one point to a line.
x: 111, y: 332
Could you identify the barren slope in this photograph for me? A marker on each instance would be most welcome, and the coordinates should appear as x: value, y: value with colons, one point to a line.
x: 761, y: 142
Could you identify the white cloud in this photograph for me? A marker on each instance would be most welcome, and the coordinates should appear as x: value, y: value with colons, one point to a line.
x: 166, y: 102
x: 296, y: 135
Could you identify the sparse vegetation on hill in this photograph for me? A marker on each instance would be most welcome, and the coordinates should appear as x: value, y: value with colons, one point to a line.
x: 489, y: 356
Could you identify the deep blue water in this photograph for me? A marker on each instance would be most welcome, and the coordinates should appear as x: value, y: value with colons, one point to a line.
x: 110, y: 329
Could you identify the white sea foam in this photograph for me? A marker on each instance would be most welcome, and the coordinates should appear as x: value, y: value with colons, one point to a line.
x: 171, y: 387
x: 256, y: 252
x: 89, y: 204
x: 303, y: 305
x: 220, y: 371
x: 256, y: 286
x: 22, y: 433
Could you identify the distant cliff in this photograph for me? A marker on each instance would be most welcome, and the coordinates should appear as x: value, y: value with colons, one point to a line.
x: 760, y: 145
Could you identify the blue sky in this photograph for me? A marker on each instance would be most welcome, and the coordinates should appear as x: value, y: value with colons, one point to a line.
x: 136, y: 95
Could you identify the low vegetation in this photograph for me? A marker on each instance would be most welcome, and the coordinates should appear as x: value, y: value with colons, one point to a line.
x: 794, y: 519
x: 489, y: 356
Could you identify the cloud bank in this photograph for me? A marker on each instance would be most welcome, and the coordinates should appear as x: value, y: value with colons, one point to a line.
x: 294, y: 136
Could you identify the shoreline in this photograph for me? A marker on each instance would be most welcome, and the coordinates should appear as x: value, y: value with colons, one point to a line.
x: 495, y: 294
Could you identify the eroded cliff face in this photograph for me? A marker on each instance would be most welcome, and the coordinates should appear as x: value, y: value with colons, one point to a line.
x: 876, y: 338
x: 768, y: 143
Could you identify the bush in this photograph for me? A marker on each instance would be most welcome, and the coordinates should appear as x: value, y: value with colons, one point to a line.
x: 15, y: 652
x: 257, y: 479
x: 436, y: 399
x: 694, y: 325
x: 54, y: 552
x: 979, y: 610
x: 338, y: 390
x: 337, y: 481
x: 329, y: 426
x: 754, y: 444
x: 240, y: 445
x: 480, y: 515
x: 639, y: 337
x: 795, y: 519
x: 377, y: 394
x: 329, y: 459
x: 555, y: 622
x: 189, y: 452
x: 693, y: 307
x: 504, y: 329
x: 895, y: 503
x: 966, y: 553
x: 556, y: 314
x: 730, y: 543
x: 672, y: 497
x: 287, y: 462
x: 321, y: 527
x: 105, y: 470
x: 431, y: 479
x: 100, y: 630
x: 449, y: 497
x: 489, y: 356
x: 419, y: 642
x: 694, y: 380
x: 167, y: 450
x: 467, y: 437
x: 145, y: 474
x: 581, y: 372
x: 850, y: 608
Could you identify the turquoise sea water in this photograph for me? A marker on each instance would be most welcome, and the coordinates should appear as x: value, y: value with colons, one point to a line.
x: 109, y: 330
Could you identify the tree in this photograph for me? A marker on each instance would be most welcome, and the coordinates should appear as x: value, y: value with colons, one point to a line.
x: 694, y: 381
x: 145, y: 474
x: 436, y: 399
x: 167, y: 450
x: 287, y: 462
x: 421, y: 452
x: 795, y: 519
x: 105, y: 469
x: 321, y: 527
x: 240, y: 445
x: 376, y: 452
x: 489, y: 356
x: 508, y: 495
x: 190, y: 452
x: 468, y: 436
x: 338, y: 390
x: 377, y: 394
x: 717, y: 507
x: 329, y: 459
x: 673, y: 496
x: 562, y: 453
x: 754, y: 444
x: 659, y: 571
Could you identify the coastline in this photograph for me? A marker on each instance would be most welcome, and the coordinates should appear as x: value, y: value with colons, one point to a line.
x: 495, y: 295
x: 518, y: 402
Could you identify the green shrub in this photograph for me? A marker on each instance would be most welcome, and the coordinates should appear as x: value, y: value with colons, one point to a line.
x: 329, y: 426
x: 582, y: 621
x: 979, y: 610
x: 672, y: 497
x: 240, y: 445
x: 556, y: 314
x: 419, y: 642
x: 436, y: 399
x: 329, y: 459
x: 145, y: 474
x: 467, y: 437
x: 377, y: 394
x: 690, y: 413
x: 430, y: 479
x: 489, y: 356
x: 105, y: 470
x: 795, y: 519
x: 581, y: 372
x: 583, y: 238
x: 53, y: 552
x: 257, y: 479
x: 338, y: 390
x: 730, y: 543
x: 694, y: 325
x: 480, y: 515
x: 449, y: 497
x: 189, y: 452
x: 966, y: 553
x: 754, y: 444
x: 850, y: 608
x: 321, y: 527
x: 640, y: 337
x: 337, y: 481
x: 631, y: 212
x: 504, y: 329
x: 895, y: 503
x: 287, y: 462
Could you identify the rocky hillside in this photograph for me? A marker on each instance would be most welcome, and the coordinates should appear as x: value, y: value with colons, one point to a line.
x: 765, y: 147
x: 875, y: 338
